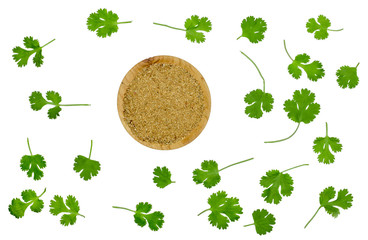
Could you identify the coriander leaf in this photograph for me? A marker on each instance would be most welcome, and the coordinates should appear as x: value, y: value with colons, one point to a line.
x: 194, y: 28
x: 33, y: 164
x: 343, y: 200
x: 86, y: 166
x: 320, y: 28
x: 104, y: 22
x: 347, y: 76
x: 277, y: 183
x: 37, y: 102
x: 301, y: 108
x: 263, y: 221
x: 314, y: 70
x: 253, y: 29
x: 18, y: 207
x: 22, y: 55
x: 223, y: 210
x: 322, y: 145
x: 162, y: 177
x: 70, y: 208
x: 142, y: 216
x: 258, y: 101
x: 209, y: 173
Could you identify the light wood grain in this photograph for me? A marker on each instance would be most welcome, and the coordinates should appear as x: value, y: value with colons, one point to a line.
x: 168, y: 60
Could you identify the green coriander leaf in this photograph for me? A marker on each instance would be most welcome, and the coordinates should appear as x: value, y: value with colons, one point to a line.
x: 104, y: 22
x: 88, y: 168
x: 142, y: 216
x: 223, y: 210
x: 347, y: 76
x: 194, y: 28
x: 253, y: 29
x: 70, y: 208
x: 343, y: 200
x: 263, y: 221
x: 162, y: 177
x: 258, y: 101
x: 209, y: 173
x: 324, y: 146
x: 320, y: 28
x: 21, y: 55
x: 38, y: 102
x: 33, y: 165
x: 277, y: 183
x: 18, y: 207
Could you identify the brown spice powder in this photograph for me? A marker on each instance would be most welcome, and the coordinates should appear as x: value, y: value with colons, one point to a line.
x: 163, y: 104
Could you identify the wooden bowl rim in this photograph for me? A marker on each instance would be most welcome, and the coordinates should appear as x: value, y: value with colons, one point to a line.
x: 169, y: 60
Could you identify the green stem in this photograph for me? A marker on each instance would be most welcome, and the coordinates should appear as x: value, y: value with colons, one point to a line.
x: 81, y: 215
x: 326, y: 130
x: 313, y: 216
x: 357, y: 65
x: 124, y: 22
x: 248, y: 225
x: 203, y: 211
x: 66, y: 105
x: 42, y: 193
x: 123, y: 208
x: 236, y: 164
x: 264, y: 82
x: 295, y: 167
x: 335, y: 30
x: 29, y: 147
x: 90, y: 150
x: 48, y: 43
x: 287, y: 51
x: 285, y: 138
x: 169, y: 26
x: 238, y: 38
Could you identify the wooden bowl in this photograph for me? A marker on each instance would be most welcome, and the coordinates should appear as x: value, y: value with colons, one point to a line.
x: 130, y: 76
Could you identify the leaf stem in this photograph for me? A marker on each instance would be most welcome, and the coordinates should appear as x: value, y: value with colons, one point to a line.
x: 203, y: 211
x: 357, y: 65
x: 335, y: 30
x: 284, y: 138
x: 287, y: 51
x: 123, y: 208
x: 42, y: 193
x: 29, y: 147
x: 90, y: 150
x: 124, y: 22
x: 295, y: 167
x: 169, y: 26
x: 264, y: 82
x: 326, y: 130
x: 236, y: 164
x: 248, y: 225
x: 313, y: 216
x: 238, y: 37
x: 48, y: 43
x: 67, y: 105
x: 81, y: 215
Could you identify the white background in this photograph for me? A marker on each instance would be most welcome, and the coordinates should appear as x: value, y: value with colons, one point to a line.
x: 86, y: 69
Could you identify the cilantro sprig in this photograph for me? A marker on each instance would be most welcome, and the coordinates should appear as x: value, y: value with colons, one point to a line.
x: 253, y: 29
x: 33, y: 164
x: 162, y: 177
x: 142, y: 216
x: 343, y: 200
x: 320, y: 27
x: 194, y: 28
x: 314, y: 70
x: 87, y: 167
x: 223, y: 210
x: 38, y: 102
x: 347, y: 76
x: 18, y: 207
x: 258, y: 100
x: 322, y: 146
x: 22, y: 55
x: 263, y: 221
x: 277, y: 183
x: 300, y: 109
x: 104, y: 22
x: 70, y: 209
x: 209, y: 174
